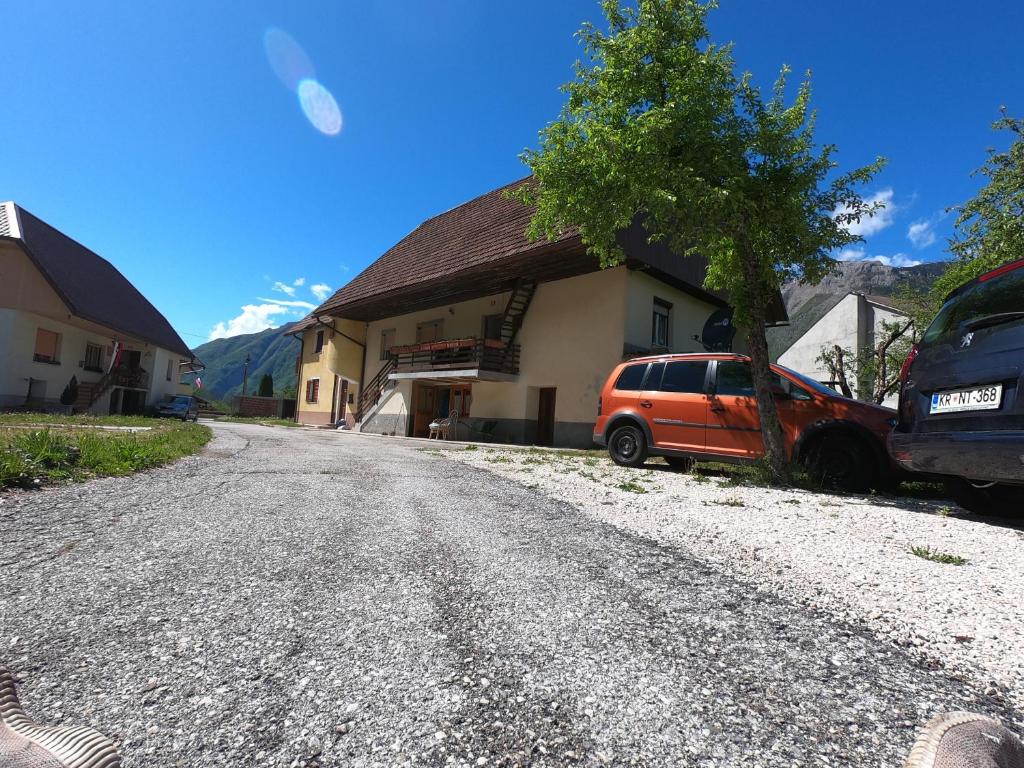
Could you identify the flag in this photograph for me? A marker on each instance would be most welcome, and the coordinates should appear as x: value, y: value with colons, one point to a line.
x: 199, y: 383
x: 115, y: 355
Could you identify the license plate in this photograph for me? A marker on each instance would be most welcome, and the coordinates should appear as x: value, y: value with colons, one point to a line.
x: 974, y: 399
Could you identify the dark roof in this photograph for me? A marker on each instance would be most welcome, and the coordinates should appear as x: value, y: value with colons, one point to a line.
x: 91, y: 286
x: 889, y: 302
x: 482, y: 232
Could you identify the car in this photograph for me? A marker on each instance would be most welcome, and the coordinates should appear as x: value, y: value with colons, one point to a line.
x: 701, y: 407
x: 184, y: 407
x: 961, y: 407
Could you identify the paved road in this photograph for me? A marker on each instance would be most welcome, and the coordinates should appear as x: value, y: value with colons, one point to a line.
x: 307, y: 598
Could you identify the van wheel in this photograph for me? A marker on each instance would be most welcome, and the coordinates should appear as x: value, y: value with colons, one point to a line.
x: 843, y: 463
x: 997, y: 500
x: 682, y: 463
x: 628, y: 447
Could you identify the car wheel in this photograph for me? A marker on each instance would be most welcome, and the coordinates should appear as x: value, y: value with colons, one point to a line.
x: 682, y: 463
x: 842, y: 462
x: 1000, y: 500
x: 628, y: 447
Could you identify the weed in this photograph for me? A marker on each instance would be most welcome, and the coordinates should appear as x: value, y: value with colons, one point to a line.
x: 591, y: 461
x: 700, y: 477
x: 631, y: 487
x: 944, y: 511
x: 472, y: 447
x: 938, y: 557
x: 732, y: 501
x: 497, y: 458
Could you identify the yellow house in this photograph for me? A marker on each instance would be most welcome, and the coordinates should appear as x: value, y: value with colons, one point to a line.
x: 465, y: 316
x: 67, y: 312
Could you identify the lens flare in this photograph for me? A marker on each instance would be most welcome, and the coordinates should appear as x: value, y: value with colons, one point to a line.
x: 289, y: 62
x: 320, y: 107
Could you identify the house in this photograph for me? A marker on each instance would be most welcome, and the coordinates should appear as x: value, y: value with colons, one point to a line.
x: 854, y: 323
x: 465, y: 315
x: 67, y: 312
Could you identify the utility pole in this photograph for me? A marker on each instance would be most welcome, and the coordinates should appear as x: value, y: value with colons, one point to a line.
x: 245, y: 377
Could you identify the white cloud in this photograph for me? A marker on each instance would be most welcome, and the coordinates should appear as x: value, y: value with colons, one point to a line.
x: 921, y: 233
x: 870, y: 225
x: 254, y: 318
x: 283, y: 288
x: 283, y: 303
x: 320, y: 290
x: 299, y: 282
x: 859, y: 254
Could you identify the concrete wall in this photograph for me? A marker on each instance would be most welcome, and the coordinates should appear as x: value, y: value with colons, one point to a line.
x: 341, y: 357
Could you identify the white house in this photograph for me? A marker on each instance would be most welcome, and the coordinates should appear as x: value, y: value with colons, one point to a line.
x: 853, y: 323
x: 67, y: 312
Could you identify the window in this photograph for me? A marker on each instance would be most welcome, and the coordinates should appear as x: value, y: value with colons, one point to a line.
x: 319, y: 346
x: 93, y: 358
x: 47, y: 343
x: 631, y: 378
x: 432, y: 330
x: 170, y: 369
x: 734, y: 379
x: 653, y: 380
x: 660, y: 324
x: 994, y: 301
x: 387, y: 341
x: 313, y: 391
x: 492, y: 327
x: 684, y: 376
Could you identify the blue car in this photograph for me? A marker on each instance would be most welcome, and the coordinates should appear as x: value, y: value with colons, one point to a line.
x: 184, y: 407
x: 961, y: 410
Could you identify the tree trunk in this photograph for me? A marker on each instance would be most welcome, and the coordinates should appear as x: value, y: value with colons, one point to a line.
x: 840, y: 372
x: 757, y: 299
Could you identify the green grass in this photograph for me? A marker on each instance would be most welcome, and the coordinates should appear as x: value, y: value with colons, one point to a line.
x: 56, y: 452
x: 60, y: 420
x: 631, y: 487
x: 265, y: 421
x: 938, y: 557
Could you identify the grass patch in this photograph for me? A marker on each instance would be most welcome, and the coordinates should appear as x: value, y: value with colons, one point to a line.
x: 732, y: 501
x: 81, y: 420
x: 472, y: 447
x: 631, y: 487
x: 927, y: 553
x: 35, y: 457
x: 498, y: 459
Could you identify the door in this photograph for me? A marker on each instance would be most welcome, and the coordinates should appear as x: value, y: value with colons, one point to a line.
x: 429, y: 331
x: 676, y: 404
x: 343, y: 400
x: 734, y: 426
x: 424, y: 399
x: 546, y: 416
x: 132, y: 359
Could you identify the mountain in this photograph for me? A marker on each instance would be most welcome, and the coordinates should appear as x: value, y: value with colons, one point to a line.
x: 807, y: 304
x: 270, y: 351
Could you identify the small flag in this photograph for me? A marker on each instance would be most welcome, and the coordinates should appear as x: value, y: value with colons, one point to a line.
x: 115, y: 355
x: 199, y: 383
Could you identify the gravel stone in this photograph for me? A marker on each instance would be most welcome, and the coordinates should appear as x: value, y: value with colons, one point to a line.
x: 287, y: 583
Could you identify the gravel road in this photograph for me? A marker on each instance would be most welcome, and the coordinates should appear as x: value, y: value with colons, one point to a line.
x: 296, y: 597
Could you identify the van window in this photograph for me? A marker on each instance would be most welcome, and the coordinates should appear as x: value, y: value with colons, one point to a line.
x: 631, y: 378
x: 734, y: 379
x: 684, y: 376
x: 653, y: 380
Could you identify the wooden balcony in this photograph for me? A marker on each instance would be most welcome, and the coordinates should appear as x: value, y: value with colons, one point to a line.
x: 450, y: 359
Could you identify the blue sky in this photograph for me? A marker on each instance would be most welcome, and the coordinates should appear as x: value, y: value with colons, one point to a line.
x: 159, y: 134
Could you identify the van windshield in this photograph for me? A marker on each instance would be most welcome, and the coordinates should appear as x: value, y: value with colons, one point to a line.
x: 992, y: 302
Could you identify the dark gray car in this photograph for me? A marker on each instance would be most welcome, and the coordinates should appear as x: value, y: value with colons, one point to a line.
x: 184, y: 407
x: 961, y: 411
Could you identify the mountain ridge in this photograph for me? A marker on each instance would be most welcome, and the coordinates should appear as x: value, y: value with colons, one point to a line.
x: 270, y: 351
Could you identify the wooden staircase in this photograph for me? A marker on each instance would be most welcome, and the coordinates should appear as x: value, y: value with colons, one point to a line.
x: 515, y: 311
x: 370, y: 395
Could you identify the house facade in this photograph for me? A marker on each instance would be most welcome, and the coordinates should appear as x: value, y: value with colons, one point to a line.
x: 466, y: 316
x: 66, y: 312
x: 854, y: 323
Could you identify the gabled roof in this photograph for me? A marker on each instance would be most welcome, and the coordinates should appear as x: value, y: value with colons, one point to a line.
x: 484, y: 231
x: 888, y: 302
x: 88, y: 284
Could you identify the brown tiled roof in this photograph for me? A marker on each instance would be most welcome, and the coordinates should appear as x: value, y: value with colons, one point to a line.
x: 887, y: 301
x: 89, y: 285
x: 487, y: 229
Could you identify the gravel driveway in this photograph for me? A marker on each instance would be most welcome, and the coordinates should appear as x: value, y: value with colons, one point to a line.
x: 296, y: 597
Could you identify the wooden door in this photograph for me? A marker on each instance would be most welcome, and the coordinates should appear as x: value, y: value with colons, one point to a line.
x: 546, y: 417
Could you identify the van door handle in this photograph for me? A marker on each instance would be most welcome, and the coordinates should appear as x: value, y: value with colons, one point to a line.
x: 646, y: 404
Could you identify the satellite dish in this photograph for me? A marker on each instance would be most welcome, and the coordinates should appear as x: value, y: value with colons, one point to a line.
x: 718, y: 331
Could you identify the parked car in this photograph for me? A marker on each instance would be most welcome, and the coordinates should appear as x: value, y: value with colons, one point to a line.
x: 184, y: 407
x: 701, y: 407
x: 961, y: 409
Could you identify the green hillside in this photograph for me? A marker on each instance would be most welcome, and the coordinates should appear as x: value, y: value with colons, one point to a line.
x: 270, y: 351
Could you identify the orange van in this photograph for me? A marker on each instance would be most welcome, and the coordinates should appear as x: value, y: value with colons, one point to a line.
x: 701, y: 407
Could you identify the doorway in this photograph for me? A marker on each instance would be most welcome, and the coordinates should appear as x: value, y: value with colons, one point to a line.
x: 546, y: 416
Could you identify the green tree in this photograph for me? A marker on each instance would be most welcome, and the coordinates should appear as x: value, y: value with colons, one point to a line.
x: 266, y: 386
x: 990, y: 226
x: 658, y: 127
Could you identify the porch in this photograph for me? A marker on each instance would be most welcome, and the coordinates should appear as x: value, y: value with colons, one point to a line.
x: 469, y: 359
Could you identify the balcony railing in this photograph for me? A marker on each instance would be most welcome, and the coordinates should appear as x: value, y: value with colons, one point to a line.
x: 457, y: 355
x: 133, y: 378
